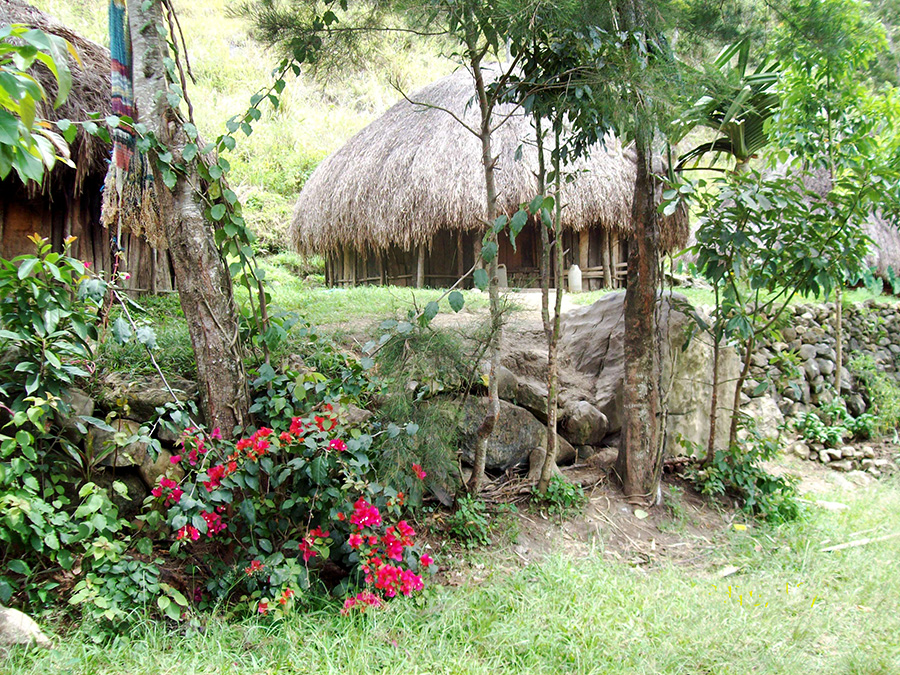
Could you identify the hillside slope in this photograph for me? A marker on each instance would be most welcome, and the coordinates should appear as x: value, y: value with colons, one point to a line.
x: 314, y: 119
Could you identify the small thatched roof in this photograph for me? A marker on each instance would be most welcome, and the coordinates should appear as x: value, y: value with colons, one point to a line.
x: 884, y: 251
x: 416, y: 170
x: 90, y: 87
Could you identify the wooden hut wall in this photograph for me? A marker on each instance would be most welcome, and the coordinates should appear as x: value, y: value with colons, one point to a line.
x: 66, y: 214
x: 595, y: 249
x: 451, y: 254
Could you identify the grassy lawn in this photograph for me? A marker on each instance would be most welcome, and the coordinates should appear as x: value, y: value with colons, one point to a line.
x: 810, y: 612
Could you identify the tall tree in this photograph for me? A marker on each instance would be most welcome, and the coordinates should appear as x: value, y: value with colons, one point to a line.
x: 204, y: 284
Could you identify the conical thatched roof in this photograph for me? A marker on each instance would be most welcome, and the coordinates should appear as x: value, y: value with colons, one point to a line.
x: 416, y: 170
x: 90, y: 87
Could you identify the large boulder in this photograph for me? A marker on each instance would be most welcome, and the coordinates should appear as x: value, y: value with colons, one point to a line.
x: 515, y: 435
x: 17, y: 628
x: 140, y: 396
x: 592, y: 343
x: 584, y: 424
x: 114, y: 445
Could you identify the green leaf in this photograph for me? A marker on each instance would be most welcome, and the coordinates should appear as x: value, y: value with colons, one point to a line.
x: 318, y: 470
x: 480, y: 278
x: 412, y: 429
x: 517, y: 222
x: 121, y: 331
x: 217, y: 212
x: 26, y: 267
x: 489, y: 251
x: 456, y: 300
x: 431, y: 310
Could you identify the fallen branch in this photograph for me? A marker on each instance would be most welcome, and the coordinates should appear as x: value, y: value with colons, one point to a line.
x: 858, y: 542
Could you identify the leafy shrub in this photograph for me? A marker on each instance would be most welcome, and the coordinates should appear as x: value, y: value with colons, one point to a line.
x: 470, y: 523
x: 738, y: 472
x: 562, y: 498
x: 832, y: 423
x: 882, y: 392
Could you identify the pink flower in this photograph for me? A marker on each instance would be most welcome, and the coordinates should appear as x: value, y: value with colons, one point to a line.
x: 188, y: 531
x: 338, y: 445
x: 355, y: 541
x: 365, y: 515
x: 216, y: 434
x: 426, y: 560
x: 263, y: 607
x: 175, y: 459
x: 419, y: 471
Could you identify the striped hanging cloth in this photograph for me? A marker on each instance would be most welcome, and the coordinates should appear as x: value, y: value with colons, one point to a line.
x: 122, y: 86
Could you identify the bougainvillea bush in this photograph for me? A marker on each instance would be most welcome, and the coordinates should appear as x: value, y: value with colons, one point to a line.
x: 258, y: 525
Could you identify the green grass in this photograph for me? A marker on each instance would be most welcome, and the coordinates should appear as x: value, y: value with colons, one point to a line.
x: 811, y: 612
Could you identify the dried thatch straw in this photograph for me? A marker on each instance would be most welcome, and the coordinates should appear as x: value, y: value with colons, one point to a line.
x: 417, y: 170
x: 884, y: 251
x: 90, y: 89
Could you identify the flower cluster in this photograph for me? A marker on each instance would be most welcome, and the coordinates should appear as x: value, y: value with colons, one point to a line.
x: 419, y: 471
x: 170, y: 489
x: 361, y: 601
x: 315, y: 538
x: 254, y: 567
x: 188, y: 532
x: 377, y: 551
x: 214, y: 523
x: 257, y: 445
x: 193, y: 445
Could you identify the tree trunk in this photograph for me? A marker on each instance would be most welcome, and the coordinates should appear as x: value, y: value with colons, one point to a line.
x: 639, y: 463
x: 487, y: 160
x: 838, y: 337
x: 738, y: 386
x: 549, y: 465
x: 204, y: 284
x: 713, y: 404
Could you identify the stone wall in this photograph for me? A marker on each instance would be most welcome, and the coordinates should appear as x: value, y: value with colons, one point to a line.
x: 799, y: 365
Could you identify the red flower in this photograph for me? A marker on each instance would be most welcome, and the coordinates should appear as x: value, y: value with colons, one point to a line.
x: 365, y: 515
x: 188, y: 531
x: 263, y: 607
x: 355, y: 541
x: 341, y: 516
x: 254, y: 567
x: 419, y: 471
x: 425, y: 560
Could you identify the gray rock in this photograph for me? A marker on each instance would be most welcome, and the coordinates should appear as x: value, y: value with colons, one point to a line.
x: 151, y: 471
x: 114, y: 447
x: 354, y: 416
x: 848, y: 452
x: 532, y: 396
x: 140, y: 396
x: 842, y: 465
x: 812, y: 369
x: 807, y: 352
x: 507, y: 382
x: 856, y: 404
x: 131, y: 503
x: 868, y: 451
x: 17, y: 628
x: 515, y: 435
x: 800, y: 449
x: 789, y: 334
x: 765, y: 412
x: 592, y: 342
x: 78, y: 404
x: 584, y: 424
x: 826, y: 367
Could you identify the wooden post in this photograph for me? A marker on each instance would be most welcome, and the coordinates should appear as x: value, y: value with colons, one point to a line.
x: 381, y: 276
x: 614, y: 257
x: 420, y: 267
x: 344, y: 279
x: 460, y: 261
x: 584, y: 247
x: 608, y: 272
x: 352, y: 275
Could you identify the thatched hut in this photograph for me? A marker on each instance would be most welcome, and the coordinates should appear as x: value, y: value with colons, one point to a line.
x: 68, y: 203
x: 403, y: 202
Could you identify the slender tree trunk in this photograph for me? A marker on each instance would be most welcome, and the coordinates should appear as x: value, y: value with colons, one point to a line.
x: 204, y: 284
x: 713, y: 404
x: 838, y: 336
x: 553, y: 339
x: 738, y: 386
x: 639, y: 463
x: 488, y: 160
